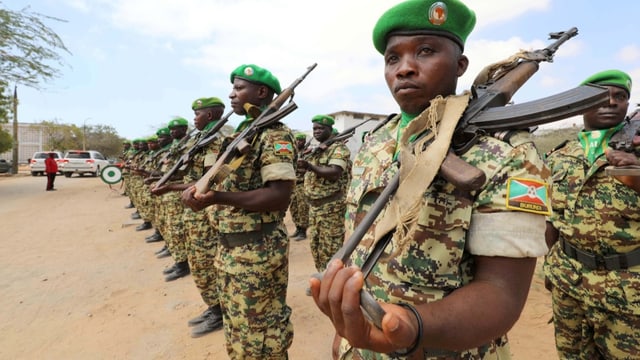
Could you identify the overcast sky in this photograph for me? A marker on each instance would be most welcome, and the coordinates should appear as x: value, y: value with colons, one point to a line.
x: 135, y: 64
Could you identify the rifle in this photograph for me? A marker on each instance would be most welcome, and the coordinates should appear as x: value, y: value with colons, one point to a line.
x: 344, y: 135
x: 489, y: 97
x: 623, y: 141
x: 206, y: 139
x: 235, y: 151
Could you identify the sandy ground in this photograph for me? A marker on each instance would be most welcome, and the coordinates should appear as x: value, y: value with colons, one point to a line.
x: 78, y: 282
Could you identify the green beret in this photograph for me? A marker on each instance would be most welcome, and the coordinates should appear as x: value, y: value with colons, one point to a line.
x: 163, y: 132
x: 177, y: 122
x: 152, y: 138
x: 203, y: 103
x: 256, y: 74
x: 138, y: 141
x: 448, y: 18
x: 301, y: 136
x: 323, y: 119
x: 126, y: 142
x: 612, y: 78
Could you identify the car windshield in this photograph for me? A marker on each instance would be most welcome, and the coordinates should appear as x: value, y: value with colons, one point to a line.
x: 79, y: 155
x: 41, y: 156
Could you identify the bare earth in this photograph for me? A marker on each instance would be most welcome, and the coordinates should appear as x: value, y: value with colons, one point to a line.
x: 78, y: 282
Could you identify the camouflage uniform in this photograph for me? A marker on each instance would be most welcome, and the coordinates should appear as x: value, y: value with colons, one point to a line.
x: 299, y: 207
x: 437, y: 259
x: 172, y: 209
x: 201, y: 235
x: 596, y: 310
x: 253, y: 261
x: 327, y: 206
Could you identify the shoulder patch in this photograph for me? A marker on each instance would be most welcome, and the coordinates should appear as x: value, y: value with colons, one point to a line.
x: 283, y: 148
x: 528, y: 195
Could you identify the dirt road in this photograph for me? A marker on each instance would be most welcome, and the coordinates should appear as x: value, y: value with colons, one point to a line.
x: 78, y: 282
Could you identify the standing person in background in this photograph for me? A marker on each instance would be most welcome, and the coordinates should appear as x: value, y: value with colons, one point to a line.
x: 253, y: 256
x: 299, y: 207
x: 593, y: 267
x: 324, y: 191
x: 51, y: 168
x: 458, y: 266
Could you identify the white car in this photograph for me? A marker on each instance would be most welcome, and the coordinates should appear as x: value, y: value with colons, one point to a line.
x: 36, y: 164
x: 83, y: 162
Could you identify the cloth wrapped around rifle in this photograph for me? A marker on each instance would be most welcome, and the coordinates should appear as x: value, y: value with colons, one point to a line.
x: 420, y: 162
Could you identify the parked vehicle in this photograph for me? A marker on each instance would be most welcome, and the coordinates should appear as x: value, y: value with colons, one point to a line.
x: 5, y: 166
x: 83, y: 162
x: 36, y: 164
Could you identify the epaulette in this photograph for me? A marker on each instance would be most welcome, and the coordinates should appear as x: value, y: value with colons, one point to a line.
x: 555, y: 148
x: 382, y: 123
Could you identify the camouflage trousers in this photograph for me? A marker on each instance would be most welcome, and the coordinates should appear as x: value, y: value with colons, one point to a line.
x: 146, y: 204
x: 253, y: 294
x: 173, y: 229
x: 326, y: 229
x: 299, y: 208
x: 202, y: 246
x: 588, y: 332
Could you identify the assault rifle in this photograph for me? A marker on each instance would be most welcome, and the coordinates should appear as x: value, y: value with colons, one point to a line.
x: 623, y: 141
x: 485, y: 113
x: 235, y: 151
x: 206, y: 139
x: 342, y: 136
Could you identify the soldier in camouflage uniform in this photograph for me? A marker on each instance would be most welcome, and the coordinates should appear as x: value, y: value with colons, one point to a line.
x: 299, y: 207
x: 164, y: 142
x: 127, y: 151
x: 135, y: 179
x: 323, y: 188
x: 253, y: 256
x: 593, y: 266
x: 456, y: 273
x: 172, y: 208
x: 201, y: 243
x: 145, y: 209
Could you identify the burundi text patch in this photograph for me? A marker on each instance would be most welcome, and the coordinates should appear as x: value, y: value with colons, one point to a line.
x: 528, y: 195
x: 283, y: 148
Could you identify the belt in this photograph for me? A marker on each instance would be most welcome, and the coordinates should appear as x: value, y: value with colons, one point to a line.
x: 326, y: 199
x: 231, y: 240
x: 599, y: 262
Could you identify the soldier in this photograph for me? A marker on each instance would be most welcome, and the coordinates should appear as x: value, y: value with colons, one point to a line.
x: 164, y: 143
x: 145, y: 209
x: 458, y: 266
x: 253, y: 259
x: 323, y: 188
x: 299, y: 207
x: 593, y: 266
x: 172, y: 209
x: 135, y: 180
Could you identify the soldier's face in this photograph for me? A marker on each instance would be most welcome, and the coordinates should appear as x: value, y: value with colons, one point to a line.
x: 201, y: 118
x: 321, y: 132
x: 244, y: 92
x: 612, y: 114
x: 420, y: 67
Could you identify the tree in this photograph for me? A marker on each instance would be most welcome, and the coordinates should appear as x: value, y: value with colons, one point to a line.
x: 28, y: 47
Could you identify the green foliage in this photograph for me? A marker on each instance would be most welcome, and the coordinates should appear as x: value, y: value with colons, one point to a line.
x: 63, y: 137
x: 6, y: 141
x: 29, y: 50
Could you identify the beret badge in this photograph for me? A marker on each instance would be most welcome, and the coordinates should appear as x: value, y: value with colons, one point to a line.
x: 438, y: 13
x: 248, y: 71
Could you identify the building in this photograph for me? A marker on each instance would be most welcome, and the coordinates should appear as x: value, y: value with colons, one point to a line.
x: 30, y: 140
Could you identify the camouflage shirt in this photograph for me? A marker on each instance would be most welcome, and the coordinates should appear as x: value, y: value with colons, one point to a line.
x: 316, y: 187
x: 272, y: 157
x: 598, y: 214
x: 452, y: 225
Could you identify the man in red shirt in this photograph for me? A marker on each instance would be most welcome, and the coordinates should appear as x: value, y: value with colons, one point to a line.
x: 51, y: 168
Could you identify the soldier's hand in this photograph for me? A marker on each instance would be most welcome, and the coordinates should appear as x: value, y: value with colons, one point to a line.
x: 337, y: 295
x: 196, y: 203
x: 302, y: 164
x: 621, y: 158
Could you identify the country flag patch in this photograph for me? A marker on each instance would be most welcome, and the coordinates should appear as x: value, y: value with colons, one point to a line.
x: 528, y: 195
x: 283, y: 148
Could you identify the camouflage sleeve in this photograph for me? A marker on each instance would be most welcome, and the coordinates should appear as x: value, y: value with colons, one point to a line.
x: 509, y: 215
x: 277, y: 157
x: 340, y: 156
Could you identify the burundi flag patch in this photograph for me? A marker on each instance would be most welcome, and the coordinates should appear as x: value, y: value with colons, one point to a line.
x: 528, y: 195
x: 283, y: 148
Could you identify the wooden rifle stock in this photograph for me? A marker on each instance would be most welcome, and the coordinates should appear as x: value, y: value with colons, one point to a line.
x: 232, y: 157
x: 206, y: 139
